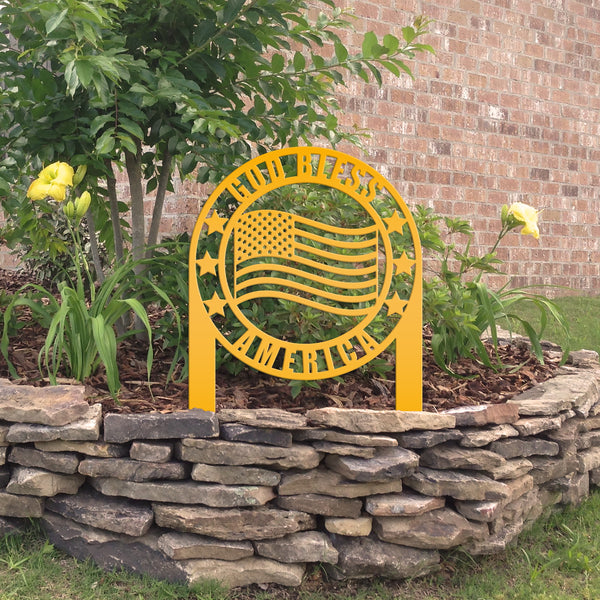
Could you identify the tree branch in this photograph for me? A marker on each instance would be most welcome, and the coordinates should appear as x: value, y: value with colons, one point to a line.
x: 163, y: 181
x: 111, y: 186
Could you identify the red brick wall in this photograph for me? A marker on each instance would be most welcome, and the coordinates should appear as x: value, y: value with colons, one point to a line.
x: 507, y: 110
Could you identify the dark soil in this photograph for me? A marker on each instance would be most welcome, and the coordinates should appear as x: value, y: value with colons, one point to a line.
x: 475, y: 385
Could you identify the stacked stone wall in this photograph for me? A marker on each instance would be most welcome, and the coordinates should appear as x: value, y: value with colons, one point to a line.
x: 258, y: 496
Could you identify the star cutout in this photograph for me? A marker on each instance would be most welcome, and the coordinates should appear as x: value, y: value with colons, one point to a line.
x: 395, y: 222
x: 208, y: 264
x: 215, y: 223
x: 404, y: 264
x: 395, y: 305
x: 216, y: 305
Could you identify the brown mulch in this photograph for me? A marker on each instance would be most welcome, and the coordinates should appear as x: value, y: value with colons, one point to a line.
x: 475, y: 385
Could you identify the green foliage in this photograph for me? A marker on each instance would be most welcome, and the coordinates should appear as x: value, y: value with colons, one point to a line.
x: 459, y: 307
x: 160, y: 85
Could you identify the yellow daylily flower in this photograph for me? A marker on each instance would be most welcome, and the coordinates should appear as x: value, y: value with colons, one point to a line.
x: 527, y: 216
x: 52, y: 181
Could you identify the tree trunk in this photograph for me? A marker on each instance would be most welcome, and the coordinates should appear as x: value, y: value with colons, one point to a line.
x: 163, y: 181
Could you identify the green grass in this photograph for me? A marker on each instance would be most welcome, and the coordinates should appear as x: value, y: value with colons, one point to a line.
x: 558, y: 559
x: 581, y: 313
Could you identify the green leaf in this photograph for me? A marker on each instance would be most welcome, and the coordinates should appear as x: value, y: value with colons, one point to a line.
x: 409, y: 34
x: 277, y: 63
x: 232, y: 9
x: 85, y: 71
x: 369, y: 44
x: 106, y: 142
x: 55, y: 21
x: 341, y: 52
x: 299, y: 62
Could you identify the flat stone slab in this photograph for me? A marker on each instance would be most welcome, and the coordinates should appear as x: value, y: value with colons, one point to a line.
x: 157, y: 426
x: 37, y: 482
x: 427, y: 439
x: 301, y: 547
x: 344, y: 449
x: 477, y: 437
x: 238, y: 432
x: 451, y: 456
x: 318, y: 504
x: 359, y: 527
x: 132, y: 470
x: 112, y: 514
x: 153, y: 452
x: 12, y: 505
x: 378, y: 421
x: 235, y: 475
x: 57, y: 462
x: 232, y: 524
x: 86, y: 428
x: 355, y: 439
x: 183, y: 546
x: 458, y: 485
x: 436, y: 530
x: 262, y: 417
x: 329, y: 483
x: 186, y: 492
x: 363, y: 557
x: 57, y: 405
x: 221, y: 452
x: 389, y: 463
x: 523, y: 447
x: 99, y: 449
x: 557, y: 394
x: 406, y: 503
x: 495, y: 414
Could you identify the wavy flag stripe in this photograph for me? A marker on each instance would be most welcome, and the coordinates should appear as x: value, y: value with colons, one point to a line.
x: 281, y: 255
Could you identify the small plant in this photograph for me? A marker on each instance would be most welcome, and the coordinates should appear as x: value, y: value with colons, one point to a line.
x: 458, y: 306
x: 82, y: 320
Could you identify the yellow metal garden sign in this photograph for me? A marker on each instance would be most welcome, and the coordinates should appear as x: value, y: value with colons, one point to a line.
x: 305, y: 264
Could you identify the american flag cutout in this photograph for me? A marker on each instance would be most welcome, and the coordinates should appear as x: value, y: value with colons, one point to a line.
x: 286, y: 256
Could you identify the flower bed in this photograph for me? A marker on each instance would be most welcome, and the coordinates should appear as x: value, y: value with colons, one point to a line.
x: 253, y: 496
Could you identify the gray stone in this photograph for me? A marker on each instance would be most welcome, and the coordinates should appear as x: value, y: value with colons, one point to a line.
x: 511, y: 469
x: 132, y: 470
x: 244, y: 572
x: 4, y: 477
x: 36, y: 482
x: 344, y: 449
x: 156, y: 426
x: 512, y: 448
x: 519, y: 487
x: 359, y: 527
x: 496, y: 543
x: 406, y: 503
x: 461, y: 486
x: 557, y: 394
x: 362, y: 557
x: 545, y: 469
x: 586, y: 359
x: 485, y: 511
x: 102, y: 512
x: 451, y: 456
x: 98, y: 449
x: 4, y: 427
x: 436, y: 530
x: 186, y: 492
x: 11, y: 526
x: 262, y: 417
x: 58, y: 462
x: 360, y: 420
x: 356, y: 439
x: 85, y: 429
x: 588, y: 439
x: 236, y: 432
x: 484, y: 414
x: 301, y: 547
x: 317, y: 504
x: 329, y: 483
x: 153, y: 452
x: 12, y: 505
x: 590, y: 423
x: 112, y: 551
x: 220, y: 452
x: 578, y: 489
x: 427, y: 439
x: 229, y: 475
x: 537, y: 425
x: 389, y: 463
x: 2, y: 455
x: 589, y: 459
x: 232, y: 524
x: 183, y: 546
x: 476, y: 437
x: 55, y: 405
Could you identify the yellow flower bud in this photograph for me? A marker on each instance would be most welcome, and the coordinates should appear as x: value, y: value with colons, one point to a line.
x: 526, y: 215
x: 69, y: 209
x: 82, y: 204
x: 79, y: 175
